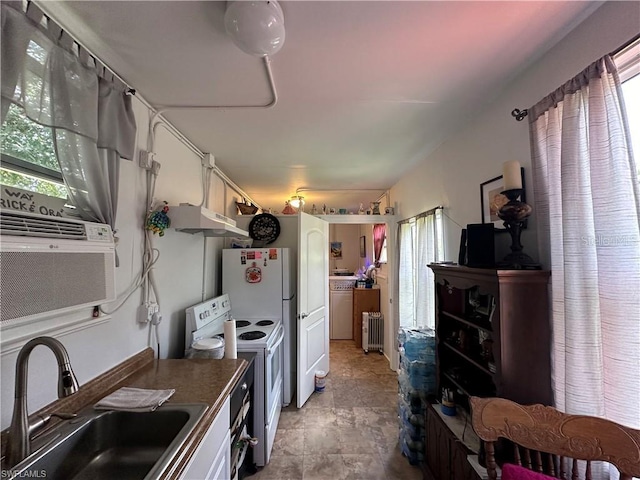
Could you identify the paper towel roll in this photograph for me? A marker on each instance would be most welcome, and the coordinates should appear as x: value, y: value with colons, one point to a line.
x: 230, y: 347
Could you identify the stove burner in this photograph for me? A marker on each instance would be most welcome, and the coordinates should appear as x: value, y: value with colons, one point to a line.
x: 252, y: 335
x: 264, y: 323
x: 242, y: 323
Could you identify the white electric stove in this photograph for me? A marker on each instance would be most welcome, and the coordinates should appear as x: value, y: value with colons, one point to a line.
x: 261, y: 336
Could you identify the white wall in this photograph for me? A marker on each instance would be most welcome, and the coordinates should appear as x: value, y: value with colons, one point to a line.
x: 349, y: 235
x: 182, y: 276
x: 451, y: 176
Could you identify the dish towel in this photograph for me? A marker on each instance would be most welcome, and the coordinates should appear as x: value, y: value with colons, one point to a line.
x: 130, y: 399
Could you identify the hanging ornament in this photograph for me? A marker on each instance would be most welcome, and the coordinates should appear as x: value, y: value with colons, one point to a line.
x: 158, y: 221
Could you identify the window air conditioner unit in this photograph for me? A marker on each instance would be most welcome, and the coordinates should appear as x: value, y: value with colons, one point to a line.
x: 52, y: 265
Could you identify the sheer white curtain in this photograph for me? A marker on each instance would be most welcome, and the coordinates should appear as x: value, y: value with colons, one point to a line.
x: 60, y: 86
x: 587, y: 203
x: 406, y: 283
x: 419, y: 243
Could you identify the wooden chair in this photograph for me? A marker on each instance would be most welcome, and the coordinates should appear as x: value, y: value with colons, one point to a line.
x: 550, y: 439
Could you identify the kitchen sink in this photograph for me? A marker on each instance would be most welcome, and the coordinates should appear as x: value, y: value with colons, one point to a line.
x: 107, y: 444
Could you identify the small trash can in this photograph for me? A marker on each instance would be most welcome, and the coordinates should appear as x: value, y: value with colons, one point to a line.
x: 321, y: 377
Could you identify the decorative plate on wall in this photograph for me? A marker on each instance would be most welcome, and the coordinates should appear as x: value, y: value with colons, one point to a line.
x: 264, y: 228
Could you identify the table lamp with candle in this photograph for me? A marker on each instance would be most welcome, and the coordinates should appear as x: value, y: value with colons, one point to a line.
x: 513, y: 214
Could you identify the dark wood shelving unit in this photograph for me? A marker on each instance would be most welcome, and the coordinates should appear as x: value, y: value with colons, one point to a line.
x: 456, y: 383
x: 470, y: 323
x: 467, y: 358
x: 493, y: 338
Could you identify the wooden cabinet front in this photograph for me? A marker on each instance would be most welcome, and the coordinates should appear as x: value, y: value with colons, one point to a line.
x: 364, y: 300
x: 445, y: 455
x: 437, y: 442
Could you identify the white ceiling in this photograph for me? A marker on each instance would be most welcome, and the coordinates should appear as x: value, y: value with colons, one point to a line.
x: 367, y: 89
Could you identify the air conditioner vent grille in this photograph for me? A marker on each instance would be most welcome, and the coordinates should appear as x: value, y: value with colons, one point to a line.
x: 50, y: 227
x: 52, y: 281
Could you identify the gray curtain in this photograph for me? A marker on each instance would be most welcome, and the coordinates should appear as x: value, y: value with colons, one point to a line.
x: 587, y: 201
x: 60, y: 86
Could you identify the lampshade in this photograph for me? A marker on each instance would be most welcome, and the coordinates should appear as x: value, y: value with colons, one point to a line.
x: 296, y: 201
x: 257, y: 28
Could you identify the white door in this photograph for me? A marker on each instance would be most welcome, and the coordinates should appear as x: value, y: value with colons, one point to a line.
x: 313, y: 299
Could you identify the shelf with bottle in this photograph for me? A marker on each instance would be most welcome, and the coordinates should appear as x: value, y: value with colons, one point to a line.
x: 475, y: 322
x: 468, y: 382
x: 473, y: 344
x: 475, y: 362
x: 470, y: 304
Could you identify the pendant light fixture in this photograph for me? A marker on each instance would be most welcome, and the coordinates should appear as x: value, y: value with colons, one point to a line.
x: 297, y: 201
x: 257, y: 28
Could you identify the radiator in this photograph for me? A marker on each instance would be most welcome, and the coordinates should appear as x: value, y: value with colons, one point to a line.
x: 372, y: 331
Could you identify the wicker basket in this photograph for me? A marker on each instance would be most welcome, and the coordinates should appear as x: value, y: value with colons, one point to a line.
x: 246, y: 209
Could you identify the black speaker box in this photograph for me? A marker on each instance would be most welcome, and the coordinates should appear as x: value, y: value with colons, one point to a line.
x: 481, y: 250
x: 462, y: 253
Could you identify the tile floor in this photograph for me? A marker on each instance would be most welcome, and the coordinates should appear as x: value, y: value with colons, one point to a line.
x: 349, y: 431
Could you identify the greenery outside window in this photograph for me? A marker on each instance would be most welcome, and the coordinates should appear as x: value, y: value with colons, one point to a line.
x: 28, y: 154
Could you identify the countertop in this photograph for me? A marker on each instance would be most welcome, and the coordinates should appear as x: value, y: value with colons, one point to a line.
x: 351, y: 278
x: 194, y: 381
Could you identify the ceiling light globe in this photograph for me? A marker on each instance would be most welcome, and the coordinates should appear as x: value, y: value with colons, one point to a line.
x: 296, y: 201
x: 257, y: 28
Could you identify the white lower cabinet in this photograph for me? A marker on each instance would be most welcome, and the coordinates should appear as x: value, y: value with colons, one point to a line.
x: 341, y: 314
x: 212, y: 458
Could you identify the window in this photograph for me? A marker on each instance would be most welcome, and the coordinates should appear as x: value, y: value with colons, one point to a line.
x: 421, y: 242
x: 628, y: 63
x: 28, y: 154
x: 383, y: 253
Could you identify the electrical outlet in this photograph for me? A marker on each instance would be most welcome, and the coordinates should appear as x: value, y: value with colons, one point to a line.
x: 143, y: 314
x: 145, y: 159
x: 156, y: 318
x: 146, y: 311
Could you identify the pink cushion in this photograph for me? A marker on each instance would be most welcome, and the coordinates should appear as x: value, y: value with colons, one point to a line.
x: 514, y: 472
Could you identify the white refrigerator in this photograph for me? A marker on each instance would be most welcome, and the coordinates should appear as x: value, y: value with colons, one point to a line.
x: 261, y: 284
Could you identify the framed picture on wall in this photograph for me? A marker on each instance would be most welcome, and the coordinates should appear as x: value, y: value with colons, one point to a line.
x: 363, y: 246
x: 491, y: 199
x: 336, y: 249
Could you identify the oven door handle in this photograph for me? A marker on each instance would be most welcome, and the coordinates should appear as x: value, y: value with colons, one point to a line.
x: 277, y: 342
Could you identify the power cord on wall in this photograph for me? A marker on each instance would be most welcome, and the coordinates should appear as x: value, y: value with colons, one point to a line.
x: 445, y: 214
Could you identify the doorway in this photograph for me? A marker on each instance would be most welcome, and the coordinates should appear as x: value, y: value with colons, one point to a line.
x: 351, y: 246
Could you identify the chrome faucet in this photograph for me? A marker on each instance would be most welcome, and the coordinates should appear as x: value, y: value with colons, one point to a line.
x: 19, y: 446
